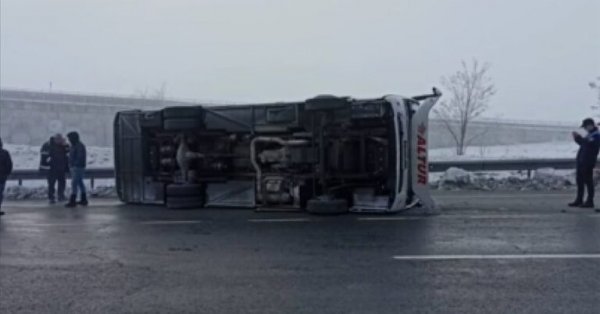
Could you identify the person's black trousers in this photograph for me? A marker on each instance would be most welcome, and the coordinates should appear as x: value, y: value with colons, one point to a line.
x: 53, y: 179
x: 585, y: 178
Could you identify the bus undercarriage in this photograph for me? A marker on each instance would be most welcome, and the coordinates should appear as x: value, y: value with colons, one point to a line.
x: 325, y: 155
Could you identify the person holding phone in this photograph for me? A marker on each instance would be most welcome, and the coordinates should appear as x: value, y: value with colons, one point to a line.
x: 589, y: 146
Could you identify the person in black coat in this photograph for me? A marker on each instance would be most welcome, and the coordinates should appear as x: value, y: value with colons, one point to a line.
x: 55, y: 164
x: 6, y: 167
x: 589, y: 146
x: 77, y: 164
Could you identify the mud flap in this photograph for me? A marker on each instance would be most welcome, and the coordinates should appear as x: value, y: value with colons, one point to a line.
x: 420, y: 158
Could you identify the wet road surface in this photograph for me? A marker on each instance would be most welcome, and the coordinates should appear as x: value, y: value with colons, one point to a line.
x: 487, y: 253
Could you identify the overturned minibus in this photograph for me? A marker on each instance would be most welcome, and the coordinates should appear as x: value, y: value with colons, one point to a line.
x: 324, y: 155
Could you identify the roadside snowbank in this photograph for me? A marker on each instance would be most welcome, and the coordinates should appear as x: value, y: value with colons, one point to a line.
x: 41, y: 192
x: 542, y: 179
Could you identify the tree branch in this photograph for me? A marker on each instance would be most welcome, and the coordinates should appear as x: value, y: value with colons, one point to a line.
x: 470, y: 90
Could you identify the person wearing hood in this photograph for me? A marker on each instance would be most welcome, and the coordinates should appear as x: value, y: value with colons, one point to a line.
x: 54, y: 162
x: 6, y: 167
x: 77, y: 164
x: 589, y: 146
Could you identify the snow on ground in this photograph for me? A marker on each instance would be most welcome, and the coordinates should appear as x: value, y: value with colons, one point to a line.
x: 28, y: 157
x: 38, y: 192
x: 543, y: 179
x: 550, y: 178
x: 517, y: 151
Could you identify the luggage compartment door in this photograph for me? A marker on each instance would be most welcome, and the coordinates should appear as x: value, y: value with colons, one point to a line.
x: 132, y: 186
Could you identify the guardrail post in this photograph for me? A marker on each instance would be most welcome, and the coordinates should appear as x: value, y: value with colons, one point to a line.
x: 92, y: 182
x: 20, y: 182
x: 528, y: 174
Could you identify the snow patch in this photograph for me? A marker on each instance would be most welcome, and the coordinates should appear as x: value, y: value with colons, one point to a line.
x: 28, y: 157
x: 542, y: 180
x: 517, y: 151
x: 456, y: 176
x: 41, y: 192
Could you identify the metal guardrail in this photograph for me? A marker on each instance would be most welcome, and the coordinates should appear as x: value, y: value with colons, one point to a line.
x: 528, y: 165
x: 503, y: 165
x: 90, y: 174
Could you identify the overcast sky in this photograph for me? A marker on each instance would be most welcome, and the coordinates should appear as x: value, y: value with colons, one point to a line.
x: 542, y: 52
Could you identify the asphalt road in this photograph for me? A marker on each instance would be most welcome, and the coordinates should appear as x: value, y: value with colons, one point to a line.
x: 487, y: 253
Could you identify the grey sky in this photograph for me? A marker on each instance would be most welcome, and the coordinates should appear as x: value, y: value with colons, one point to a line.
x: 543, y: 52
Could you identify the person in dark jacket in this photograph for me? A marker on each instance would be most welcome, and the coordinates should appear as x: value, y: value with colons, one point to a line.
x: 6, y: 167
x: 54, y: 163
x: 77, y: 163
x: 589, y: 146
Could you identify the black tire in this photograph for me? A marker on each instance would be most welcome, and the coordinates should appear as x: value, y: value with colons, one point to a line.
x: 327, y: 207
x: 182, y: 124
x: 151, y: 119
x: 183, y: 113
x: 185, y: 202
x: 185, y: 190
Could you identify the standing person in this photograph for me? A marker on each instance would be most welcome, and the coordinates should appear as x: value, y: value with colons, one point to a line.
x: 77, y: 163
x: 589, y: 146
x: 45, y: 167
x: 59, y: 164
x: 55, y: 164
x: 6, y: 167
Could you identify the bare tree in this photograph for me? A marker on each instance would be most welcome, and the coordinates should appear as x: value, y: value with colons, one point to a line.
x: 155, y: 94
x: 469, y: 90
